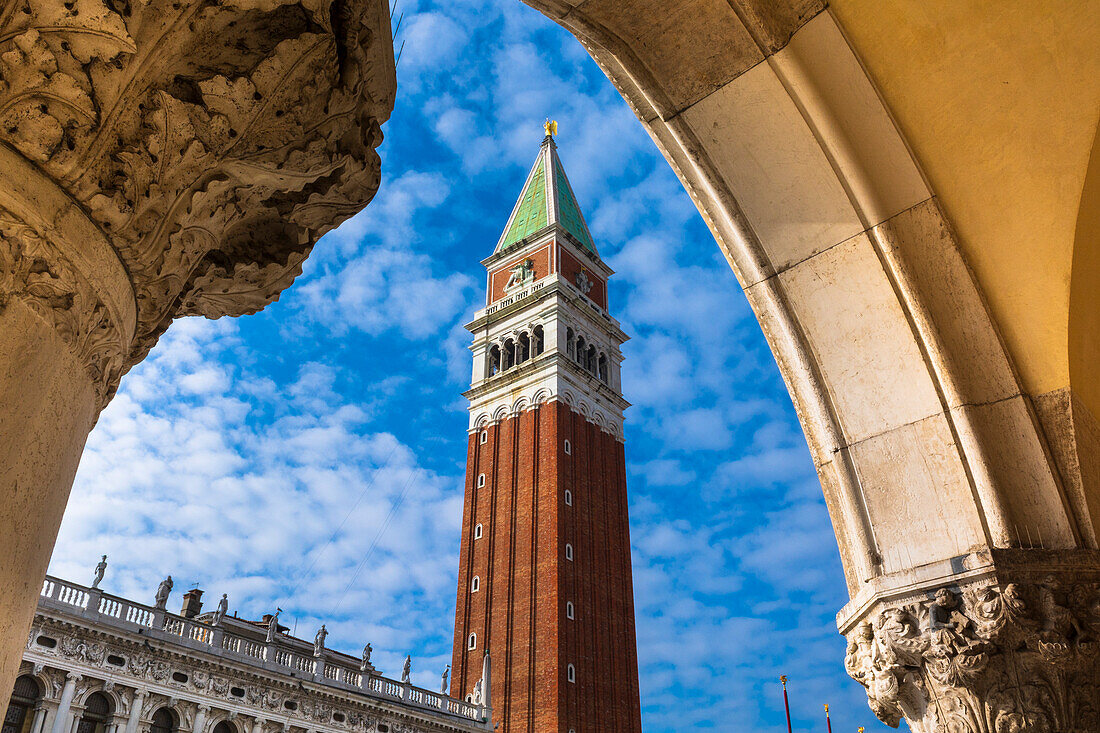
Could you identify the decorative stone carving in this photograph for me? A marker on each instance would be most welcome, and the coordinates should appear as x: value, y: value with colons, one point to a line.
x: 208, y: 144
x: 993, y: 657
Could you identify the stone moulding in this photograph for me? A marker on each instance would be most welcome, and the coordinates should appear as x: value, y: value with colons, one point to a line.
x: 1012, y: 650
x: 162, y: 159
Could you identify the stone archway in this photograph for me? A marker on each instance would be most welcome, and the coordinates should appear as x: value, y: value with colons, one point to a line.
x: 968, y: 543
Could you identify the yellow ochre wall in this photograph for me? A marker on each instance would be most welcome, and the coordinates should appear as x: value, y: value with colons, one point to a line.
x: 1000, y: 102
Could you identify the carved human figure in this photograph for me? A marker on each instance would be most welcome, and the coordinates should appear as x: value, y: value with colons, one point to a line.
x: 476, y: 699
x: 222, y: 609
x: 366, y: 655
x: 522, y: 273
x: 273, y: 625
x: 584, y: 283
x: 407, y: 670
x: 859, y: 658
x: 163, y: 591
x: 443, y: 682
x: 1058, y: 621
x: 319, y: 641
x: 100, y: 569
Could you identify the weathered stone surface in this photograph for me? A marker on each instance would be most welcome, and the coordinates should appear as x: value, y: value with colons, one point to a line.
x: 1012, y: 651
x: 210, y: 143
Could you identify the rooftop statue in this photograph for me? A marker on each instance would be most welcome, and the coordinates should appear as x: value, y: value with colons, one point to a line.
x: 100, y: 569
x: 319, y: 641
x: 273, y: 625
x: 223, y: 608
x: 163, y: 591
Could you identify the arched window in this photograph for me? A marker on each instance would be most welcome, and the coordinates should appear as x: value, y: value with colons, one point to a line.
x: 590, y: 359
x: 494, y: 360
x: 580, y: 350
x: 23, y: 700
x: 602, y: 370
x: 523, y: 348
x: 568, y: 497
x: 477, y: 532
x: 537, y: 340
x: 569, y: 610
x: 480, y: 480
x: 224, y: 727
x: 568, y: 551
x: 509, y: 354
x: 484, y: 438
x: 571, y: 673
x: 570, y: 341
x: 471, y: 643
x: 568, y: 448
x: 475, y: 584
x: 164, y: 721
x: 97, y: 710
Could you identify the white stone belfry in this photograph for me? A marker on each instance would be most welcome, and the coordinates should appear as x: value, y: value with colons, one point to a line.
x: 545, y: 333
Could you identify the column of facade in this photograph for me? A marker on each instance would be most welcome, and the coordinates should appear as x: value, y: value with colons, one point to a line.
x: 135, y: 710
x: 61, y: 720
x: 200, y: 718
x: 39, y: 717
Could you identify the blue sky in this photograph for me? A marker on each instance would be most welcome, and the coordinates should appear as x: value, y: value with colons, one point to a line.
x: 312, y: 456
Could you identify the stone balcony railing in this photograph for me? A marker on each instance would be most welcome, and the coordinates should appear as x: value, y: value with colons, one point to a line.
x: 331, y: 668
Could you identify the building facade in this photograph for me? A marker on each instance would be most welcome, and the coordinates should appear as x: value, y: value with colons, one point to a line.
x: 98, y: 663
x: 544, y: 573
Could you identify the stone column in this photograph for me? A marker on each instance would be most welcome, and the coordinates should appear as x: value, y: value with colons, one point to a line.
x: 39, y: 719
x: 258, y: 725
x: 157, y: 160
x: 61, y: 720
x: 200, y: 718
x: 135, y: 710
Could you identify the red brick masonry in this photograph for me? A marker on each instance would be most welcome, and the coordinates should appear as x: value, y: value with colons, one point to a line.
x: 519, y: 612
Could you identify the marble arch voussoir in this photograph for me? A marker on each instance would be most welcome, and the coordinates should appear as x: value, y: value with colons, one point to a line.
x: 929, y: 449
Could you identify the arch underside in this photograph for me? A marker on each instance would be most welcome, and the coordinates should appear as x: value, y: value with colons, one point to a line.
x: 927, y: 443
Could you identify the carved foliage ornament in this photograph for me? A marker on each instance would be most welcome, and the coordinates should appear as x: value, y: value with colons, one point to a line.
x: 213, y: 142
x: 986, y: 660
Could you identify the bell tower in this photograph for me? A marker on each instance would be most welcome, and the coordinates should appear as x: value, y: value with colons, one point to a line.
x: 544, y: 582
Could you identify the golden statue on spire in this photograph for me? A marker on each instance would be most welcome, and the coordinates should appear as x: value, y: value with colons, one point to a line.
x: 551, y: 127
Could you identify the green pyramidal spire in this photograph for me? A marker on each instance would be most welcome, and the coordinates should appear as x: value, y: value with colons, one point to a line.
x: 547, y: 198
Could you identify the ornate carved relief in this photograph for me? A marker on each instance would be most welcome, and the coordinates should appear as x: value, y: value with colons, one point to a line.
x: 988, y: 659
x: 142, y: 668
x: 214, y: 143
x: 34, y: 272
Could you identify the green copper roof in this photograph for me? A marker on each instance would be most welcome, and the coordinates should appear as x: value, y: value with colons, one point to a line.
x: 531, y: 214
x: 570, y: 212
x: 547, y: 198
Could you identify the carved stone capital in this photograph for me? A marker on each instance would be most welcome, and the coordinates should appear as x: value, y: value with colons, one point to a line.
x: 1015, y: 650
x: 160, y: 159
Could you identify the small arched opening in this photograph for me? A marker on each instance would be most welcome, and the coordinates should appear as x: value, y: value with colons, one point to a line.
x: 494, y: 360
x: 523, y: 348
x: 24, y: 700
x: 165, y: 720
x: 97, y: 714
x: 537, y: 341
